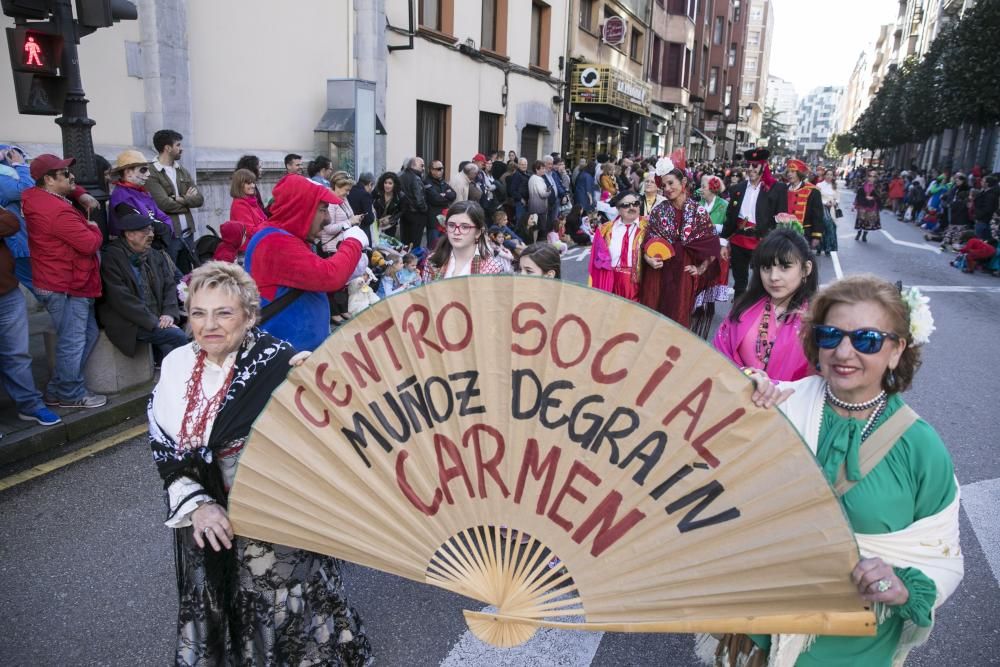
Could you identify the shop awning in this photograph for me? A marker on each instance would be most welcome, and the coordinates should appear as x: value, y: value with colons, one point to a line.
x: 580, y: 117
x: 695, y: 132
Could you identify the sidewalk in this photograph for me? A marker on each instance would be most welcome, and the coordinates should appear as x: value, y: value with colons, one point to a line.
x: 22, y: 439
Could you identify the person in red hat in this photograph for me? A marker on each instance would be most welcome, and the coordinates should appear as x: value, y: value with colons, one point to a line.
x: 805, y: 201
x: 753, y: 203
x: 66, y: 275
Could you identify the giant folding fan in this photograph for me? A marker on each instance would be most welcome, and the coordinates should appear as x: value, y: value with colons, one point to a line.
x: 557, y: 453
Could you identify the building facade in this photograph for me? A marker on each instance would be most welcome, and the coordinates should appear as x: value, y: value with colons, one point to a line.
x: 756, y: 66
x: 784, y: 101
x: 719, y: 41
x: 817, y: 119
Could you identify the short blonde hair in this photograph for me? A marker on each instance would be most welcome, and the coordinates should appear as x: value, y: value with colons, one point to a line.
x: 341, y: 179
x: 231, y: 278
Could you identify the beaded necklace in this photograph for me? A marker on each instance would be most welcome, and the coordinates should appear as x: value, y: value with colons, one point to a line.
x: 879, y: 403
x: 200, y: 408
x: 764, y: 345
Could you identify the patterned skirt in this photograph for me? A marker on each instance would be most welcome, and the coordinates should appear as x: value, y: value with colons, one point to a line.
x: 277, y: 606
x: 868, y: 220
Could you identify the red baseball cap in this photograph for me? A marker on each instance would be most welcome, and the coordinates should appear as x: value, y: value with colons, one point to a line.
x: 47, y: 162
x: 479, y: 157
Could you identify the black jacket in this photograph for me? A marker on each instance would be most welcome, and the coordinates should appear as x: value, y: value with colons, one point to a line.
x: 986, y: 203
x: 362, y: 203
x: 769, y: 204
x: 439, y: 195
x: 122, y: 310
x: 517, y: 186
x: 413, y: 192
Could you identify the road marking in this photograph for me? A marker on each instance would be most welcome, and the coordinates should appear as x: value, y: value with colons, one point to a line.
x: 981, y: 500
x: 547, y: 647
x: 837, y: 269
x: 55, y: 464
x: 919, y: 246
x: 968, y: 289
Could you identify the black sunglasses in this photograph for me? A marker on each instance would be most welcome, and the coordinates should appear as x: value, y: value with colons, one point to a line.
x: 865, y: 341
x: 628, y: 204
x: 65, y: 173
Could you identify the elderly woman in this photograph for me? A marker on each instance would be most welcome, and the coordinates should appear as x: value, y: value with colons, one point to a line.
x: 650, y: 196
x: 129, y: 196
x: 890, y: 469
x: 240, y: 601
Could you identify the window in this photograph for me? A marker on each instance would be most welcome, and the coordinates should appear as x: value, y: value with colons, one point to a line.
x: 437, y: 15
x: 541, y: 15
x: 732, y: 54
x: 727, y: 100
x: 672, y: 65
x: 704, y: 67
x: 587, y: 15
x: 718, y: 30
x: 713, y: 81
x: 654, y: 67
x: 750, y: 64
x: 753, y: 38
x: 490, y: 131
x: 748, y: 88
x: 687, y: 68
x: 692, y: 9
x: 494, y: 36
x: 678, y: 7
x: 432, y: 132
x: 757, y: 13
x: 635, y: 46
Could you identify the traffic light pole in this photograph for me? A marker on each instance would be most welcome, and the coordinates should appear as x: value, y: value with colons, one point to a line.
x: 78, y: 141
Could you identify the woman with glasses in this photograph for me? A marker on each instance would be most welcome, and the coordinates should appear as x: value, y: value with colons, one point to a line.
x: 615, y: 260
x: 673, y: 277
x: 890, y: 469
x: 462, y: 251
x: 129, y: 196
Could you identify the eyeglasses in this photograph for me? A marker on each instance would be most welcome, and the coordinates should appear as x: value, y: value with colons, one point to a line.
x: 463, y: 228
x: 865, y: 341
x: 628, y: 204
x: 65, y: 173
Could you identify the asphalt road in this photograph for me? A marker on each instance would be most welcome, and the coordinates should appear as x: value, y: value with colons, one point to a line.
x: 86, y: 571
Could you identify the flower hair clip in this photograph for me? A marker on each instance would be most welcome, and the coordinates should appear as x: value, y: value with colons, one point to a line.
x: 664, y: 166
x: 921, y: 320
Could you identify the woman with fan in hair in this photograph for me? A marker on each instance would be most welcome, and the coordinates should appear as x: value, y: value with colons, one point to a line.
x: 762, y: 330
x: 462, y: 251
x: 669, y: 284
x: 890, y: 469
x: 230, y: 588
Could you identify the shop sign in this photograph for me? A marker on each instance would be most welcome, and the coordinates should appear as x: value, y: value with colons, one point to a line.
x: 614, y: 30
x: 602, y: 84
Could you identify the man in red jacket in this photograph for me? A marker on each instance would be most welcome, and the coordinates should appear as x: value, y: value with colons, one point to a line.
x: 66, y: 275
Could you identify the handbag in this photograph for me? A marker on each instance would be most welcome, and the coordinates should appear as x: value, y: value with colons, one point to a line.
x: 837, y: 213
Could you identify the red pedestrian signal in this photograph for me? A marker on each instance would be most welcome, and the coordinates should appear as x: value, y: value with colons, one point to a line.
x: 34, y: 51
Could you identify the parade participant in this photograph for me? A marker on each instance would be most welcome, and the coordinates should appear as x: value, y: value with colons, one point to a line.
x: 805, y: 201
x: 669, y: 286
x: 130, y: 196
x: 615, y: 260
x: 241, y: 601
x: 753, y: 203
x: 762, y: 330
x: 289, y: 274
x: 540, y: 259
x: 865, y: 337
x: 140, y: 295
x: 831, y: 207
x: 462, y: 250
x: 867, y: 205
x: 718, y: 291
x: 650, y: 195
x: 896, y: 192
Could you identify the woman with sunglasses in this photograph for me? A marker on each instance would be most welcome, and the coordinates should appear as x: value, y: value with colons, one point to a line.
x: 891, y: 471
x: 670, y: 284
x: 462, y: 251
x: 129, y: 196
x: 762, y: 330
x: 616, y: 258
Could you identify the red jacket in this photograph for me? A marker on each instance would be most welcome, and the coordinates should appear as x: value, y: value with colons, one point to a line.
x: 63, y: 245
x: 249, y: 212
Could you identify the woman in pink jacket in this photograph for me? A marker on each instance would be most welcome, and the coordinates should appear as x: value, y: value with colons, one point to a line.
x: 762, y: 330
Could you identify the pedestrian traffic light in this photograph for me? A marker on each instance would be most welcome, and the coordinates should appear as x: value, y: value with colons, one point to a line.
x: 34, y: 51
x: 26, y: 9
x: 40, y: 94
x: 104, y: 13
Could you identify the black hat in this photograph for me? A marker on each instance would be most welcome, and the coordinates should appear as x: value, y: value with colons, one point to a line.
x: 133, y: 221
x: 756, y: 155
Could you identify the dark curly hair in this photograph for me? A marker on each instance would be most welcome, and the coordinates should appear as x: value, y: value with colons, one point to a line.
x: 870, y: 288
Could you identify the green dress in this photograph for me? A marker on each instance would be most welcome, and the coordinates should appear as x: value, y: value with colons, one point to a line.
x: 914, y: 480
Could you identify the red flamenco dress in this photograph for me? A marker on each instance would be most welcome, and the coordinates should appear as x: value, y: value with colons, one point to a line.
x: 671, y: 290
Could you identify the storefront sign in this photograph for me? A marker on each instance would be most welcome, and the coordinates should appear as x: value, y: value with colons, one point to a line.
x: 602, y: 84
x: 614, y: 30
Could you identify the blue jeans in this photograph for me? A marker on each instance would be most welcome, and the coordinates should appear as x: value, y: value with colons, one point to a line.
x: 76, y: 330
x: 983, y: 231
x: 165, y: 340
x: 15, y: 359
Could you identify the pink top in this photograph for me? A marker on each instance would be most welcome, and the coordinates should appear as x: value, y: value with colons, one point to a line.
x: 738, y: 342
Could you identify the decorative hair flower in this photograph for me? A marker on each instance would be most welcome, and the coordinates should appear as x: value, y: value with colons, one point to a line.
x: 664, y: 166
x: 789, y: 221
x: 921, y: 320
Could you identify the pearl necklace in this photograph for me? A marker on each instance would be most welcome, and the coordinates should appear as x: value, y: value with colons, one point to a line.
x: 879, y: 403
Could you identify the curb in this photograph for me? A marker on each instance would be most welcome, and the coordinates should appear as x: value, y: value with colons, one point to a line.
x: 75, y: 426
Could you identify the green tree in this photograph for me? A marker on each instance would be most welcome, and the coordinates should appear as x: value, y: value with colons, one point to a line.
x: 772, y: 129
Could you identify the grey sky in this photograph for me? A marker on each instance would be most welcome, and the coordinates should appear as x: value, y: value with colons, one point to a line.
x: 817, y: 43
